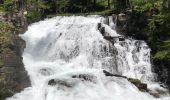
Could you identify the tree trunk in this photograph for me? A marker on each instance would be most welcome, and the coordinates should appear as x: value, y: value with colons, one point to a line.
x: 122, y: 5
x: 56, y: 6
x: 108, y: 1
x: 166, y: 4
x: 169, y: 4
x: 1, y: 1
x: 94, y: 3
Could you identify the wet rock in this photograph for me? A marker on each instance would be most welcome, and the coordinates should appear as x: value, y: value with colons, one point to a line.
x: 122, y: 17
x: 121, y: 38
x: 102, y: 30
x: 141, y: 86
x: 157, y: 93
x: 52, y: 82
x: 110, y: 74
x: 114, y: 17
x: 13, y: 77
x: 73, y: 81
x: 85, y: 77
x: 46, y: 71
x: 121, y: 23
x: 66, y: 83
x: 109, y: 38
x: 99, y: 26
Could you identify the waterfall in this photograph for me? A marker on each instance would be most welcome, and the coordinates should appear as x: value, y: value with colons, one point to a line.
x: 65, y: 58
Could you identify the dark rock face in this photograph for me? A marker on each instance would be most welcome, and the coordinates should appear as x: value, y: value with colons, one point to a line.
x: 13, y: 77
x: 163, y: 70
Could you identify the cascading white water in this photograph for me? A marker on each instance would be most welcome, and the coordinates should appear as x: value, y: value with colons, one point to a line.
x: 65, y: 58
x: 134, y: 60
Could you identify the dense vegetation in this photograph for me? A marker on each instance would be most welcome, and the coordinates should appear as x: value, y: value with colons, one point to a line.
x: 156, y: 29
x: 38, y: 9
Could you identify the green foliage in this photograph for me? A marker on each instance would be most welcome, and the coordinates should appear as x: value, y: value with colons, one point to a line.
x: 5, y: 33
x: 75, y: 6
x: 158, y: 28
x: 39, y: 9
x: 41, y: 4
x: 161, y: 55
x: 5, y: 26
x: 33, y: 16
x: 62, y: 5
x: 155, y: 20
x: 104, y: 12
x: 155, y: 28
x: 7, y: 5
x: 142, y: 5
x: 1, y: 8
x: 6, y: 37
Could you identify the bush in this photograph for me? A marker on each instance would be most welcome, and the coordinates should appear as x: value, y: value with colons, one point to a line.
x: 8, y: 4
x: 34, y: 16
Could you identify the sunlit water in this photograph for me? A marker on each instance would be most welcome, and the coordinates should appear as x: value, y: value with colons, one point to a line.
x: 66, y: 48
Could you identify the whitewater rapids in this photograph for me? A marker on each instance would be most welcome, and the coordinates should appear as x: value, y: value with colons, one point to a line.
x: 65, y: 58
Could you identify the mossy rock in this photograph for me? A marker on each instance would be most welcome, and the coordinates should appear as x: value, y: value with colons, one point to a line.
x: 141, y: 86
x: 5, y: 25
x: 134, y: 81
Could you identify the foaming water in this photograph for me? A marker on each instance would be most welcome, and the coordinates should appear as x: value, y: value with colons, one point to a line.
x: 65, y: 58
